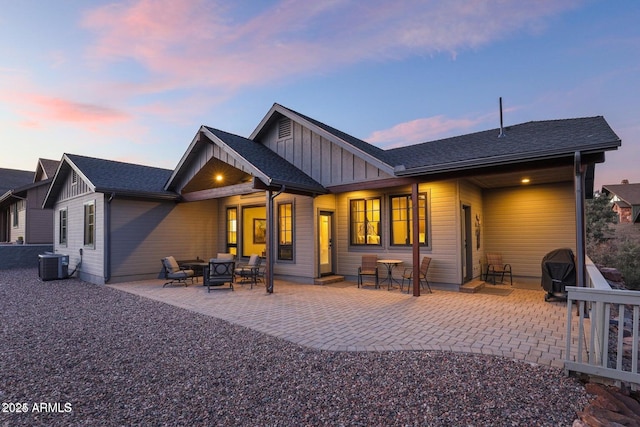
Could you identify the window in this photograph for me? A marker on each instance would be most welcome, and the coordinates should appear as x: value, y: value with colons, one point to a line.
x: 62, y: 218
x: 90, y: 223
x: 402, y: 220
x: 365, y: 221
x: 14, y: 209
x: 285, y: 231
x: 232, y: 231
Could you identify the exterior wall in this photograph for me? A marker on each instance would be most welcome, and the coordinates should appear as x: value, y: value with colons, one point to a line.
x: 624, y: 213
x: 324, y: 161
x: 443, y: 205
x: 525, y: 223
x: 72, y: 197
x: 39, y: 221
x: 21, y: 256
x: 144, y: 232
x: 303, y: 267
x: 19, y: 230
x: 92, y: 268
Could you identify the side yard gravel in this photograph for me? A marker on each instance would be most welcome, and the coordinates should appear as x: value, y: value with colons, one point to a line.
x: 77, y: 354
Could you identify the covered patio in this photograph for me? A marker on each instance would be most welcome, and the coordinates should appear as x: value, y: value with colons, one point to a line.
x: 518, y: 325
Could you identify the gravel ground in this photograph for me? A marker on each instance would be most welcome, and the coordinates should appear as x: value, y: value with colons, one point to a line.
x: 77, y: 354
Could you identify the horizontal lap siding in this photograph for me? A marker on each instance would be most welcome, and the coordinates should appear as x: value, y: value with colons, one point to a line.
x: 92, y: 267
x: 526, y: 223
x: 444, y: 235
x: 40, y: 221
x: 144, y: 232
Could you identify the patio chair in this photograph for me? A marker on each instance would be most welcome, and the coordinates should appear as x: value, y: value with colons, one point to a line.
x: 249, y: 271
x: 174, y: 273
x: 368, y: 267
x: 495, y: 268
x: 226, y: 256
x: 219, y: 272
x: 408, y: 275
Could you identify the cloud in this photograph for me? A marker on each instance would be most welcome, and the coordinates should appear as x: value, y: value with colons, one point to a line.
x: 67, y: 111
x: 199, y: 43
x: 424, y: 129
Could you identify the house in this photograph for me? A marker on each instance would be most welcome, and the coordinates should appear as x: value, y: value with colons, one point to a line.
x: 323, y: 198
x: 626, y: 201
x: 21, y: 213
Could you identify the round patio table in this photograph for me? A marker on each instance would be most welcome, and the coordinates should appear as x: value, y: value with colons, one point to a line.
x: 390, y: 264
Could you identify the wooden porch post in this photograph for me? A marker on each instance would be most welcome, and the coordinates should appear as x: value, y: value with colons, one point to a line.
x: 415, y: 246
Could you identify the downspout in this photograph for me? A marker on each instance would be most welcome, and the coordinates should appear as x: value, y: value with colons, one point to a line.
x: 415, y: 247
x: 270, y: 239
x: 107, y: 239
x: 580, y: 220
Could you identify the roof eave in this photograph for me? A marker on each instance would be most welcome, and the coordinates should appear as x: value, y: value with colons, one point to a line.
x: 401, y: 170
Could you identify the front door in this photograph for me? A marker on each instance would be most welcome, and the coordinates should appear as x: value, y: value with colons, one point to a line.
x: 325, y: 241
x: 467, y: 245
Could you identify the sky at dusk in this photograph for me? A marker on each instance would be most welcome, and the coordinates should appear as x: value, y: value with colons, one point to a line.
x: 134, y: 80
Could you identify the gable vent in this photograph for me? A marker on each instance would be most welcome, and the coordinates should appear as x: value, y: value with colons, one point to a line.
x: 284, y: 128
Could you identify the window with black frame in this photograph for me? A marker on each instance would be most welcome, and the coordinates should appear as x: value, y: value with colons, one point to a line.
x: 402, y: 220
x: 365, y: 222
x: 232, y: 230
x: 285, y: 231
x: 90, y: 223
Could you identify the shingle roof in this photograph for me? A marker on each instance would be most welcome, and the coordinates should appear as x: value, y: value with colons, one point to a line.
x: 279, y: 170
x: 531, y: 140
x: 113, y: 176
x: 14, y: 178
x: 49, y: 167
x: 630, y: 193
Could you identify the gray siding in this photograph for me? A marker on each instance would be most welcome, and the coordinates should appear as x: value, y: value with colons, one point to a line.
x: 39, y: 221
x: 73, y: 198
x: 143, y: 232
x: 320, y: 158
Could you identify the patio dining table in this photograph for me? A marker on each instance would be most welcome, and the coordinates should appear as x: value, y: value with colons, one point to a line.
x: 390, y: 264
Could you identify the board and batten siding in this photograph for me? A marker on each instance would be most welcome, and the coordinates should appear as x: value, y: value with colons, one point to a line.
x: 144, y: 232
x: 443, y: 227
x: 525, y: 223
x: 320, y: 158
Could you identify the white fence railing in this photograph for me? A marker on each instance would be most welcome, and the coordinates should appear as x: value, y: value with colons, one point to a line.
x: 595, y: 342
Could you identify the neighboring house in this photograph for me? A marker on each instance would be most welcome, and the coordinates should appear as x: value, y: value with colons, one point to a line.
x: 326, y: 198
x: 21, y: 213
x: 626, y: 201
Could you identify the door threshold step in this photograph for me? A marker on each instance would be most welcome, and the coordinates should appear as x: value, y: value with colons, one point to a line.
x: 324, y: 280
x: 472, y: 287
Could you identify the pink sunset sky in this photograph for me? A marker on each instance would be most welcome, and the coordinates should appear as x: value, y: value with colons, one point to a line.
x: 134, y: 80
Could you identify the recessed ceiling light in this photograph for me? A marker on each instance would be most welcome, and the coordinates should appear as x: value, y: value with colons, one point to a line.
x: 525, y: 180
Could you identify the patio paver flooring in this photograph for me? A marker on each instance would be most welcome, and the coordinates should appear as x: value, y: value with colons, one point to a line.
x: 520, y: 326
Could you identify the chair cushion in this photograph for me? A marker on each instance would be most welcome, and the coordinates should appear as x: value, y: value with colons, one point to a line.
x: 171, y: 264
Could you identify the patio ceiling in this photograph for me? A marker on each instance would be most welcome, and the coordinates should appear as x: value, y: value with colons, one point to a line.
x: 205, y: 179
x: 514, y: 178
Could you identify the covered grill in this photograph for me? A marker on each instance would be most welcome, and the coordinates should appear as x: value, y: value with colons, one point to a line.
x: 558, y: 271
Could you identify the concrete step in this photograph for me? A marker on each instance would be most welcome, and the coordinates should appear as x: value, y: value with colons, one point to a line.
x: 324, y: 280
x: 472, y: 287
